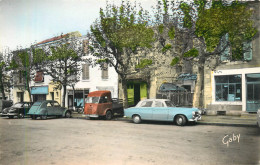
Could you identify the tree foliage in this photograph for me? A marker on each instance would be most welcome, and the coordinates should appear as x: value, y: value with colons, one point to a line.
x: 61, y: 61
x: 117, y: 35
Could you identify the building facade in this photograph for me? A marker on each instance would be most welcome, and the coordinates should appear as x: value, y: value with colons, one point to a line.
x: 234, y: 87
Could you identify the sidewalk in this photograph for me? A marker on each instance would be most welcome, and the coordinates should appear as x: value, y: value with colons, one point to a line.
x: 247, y: 121
x: 244, y: 121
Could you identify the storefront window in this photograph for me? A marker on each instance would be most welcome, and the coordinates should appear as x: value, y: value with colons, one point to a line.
x: 228, y: 88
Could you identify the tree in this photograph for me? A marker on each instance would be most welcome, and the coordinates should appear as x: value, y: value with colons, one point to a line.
x: 205, y: 26
x: 119, y: 33
x: 61, y: 61
x: 22, y: 63
x: 5, y: 72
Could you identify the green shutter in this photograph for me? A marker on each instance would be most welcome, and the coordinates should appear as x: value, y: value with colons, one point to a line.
x: 247, y: 47
x: 225, y: 54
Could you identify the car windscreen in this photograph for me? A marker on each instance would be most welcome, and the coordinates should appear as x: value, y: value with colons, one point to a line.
x: 169, y: 104
x: 37, y: 103
x: 92, y: 99
x: 17, y: 105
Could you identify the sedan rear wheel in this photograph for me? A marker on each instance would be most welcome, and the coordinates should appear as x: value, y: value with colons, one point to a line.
x: 180, y: 120
x: 137, y: 119
x: 67, y: 114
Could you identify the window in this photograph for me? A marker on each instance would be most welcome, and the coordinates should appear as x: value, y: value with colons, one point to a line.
x: 247, y: 47
x: 228, y: 88
x: 49, y: 105
x: 56, y: 104
x: 105, y: 71
x: 20, y: 77
x: 225, y: 55
x: 158, y: 104
x: 85, y: 71
x: 146, y: 104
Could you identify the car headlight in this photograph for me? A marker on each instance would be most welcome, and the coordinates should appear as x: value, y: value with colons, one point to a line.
x: 200, y: 112
x: 193, y: 113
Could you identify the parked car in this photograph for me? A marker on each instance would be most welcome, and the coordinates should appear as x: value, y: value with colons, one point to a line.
x: 170, y: 87
x: 43, y: 109
x: 100, y: 104
x: 162, y: 110
x: 5, y: 104
x: 19, y: 109
x: 258, y: 118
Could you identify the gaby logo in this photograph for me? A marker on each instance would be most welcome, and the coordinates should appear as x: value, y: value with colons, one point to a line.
x: 229, y: 139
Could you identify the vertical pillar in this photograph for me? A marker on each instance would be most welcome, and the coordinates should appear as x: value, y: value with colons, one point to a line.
x: 244, y: 92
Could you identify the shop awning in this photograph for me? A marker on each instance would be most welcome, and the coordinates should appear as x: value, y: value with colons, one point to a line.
x: 39, y: 90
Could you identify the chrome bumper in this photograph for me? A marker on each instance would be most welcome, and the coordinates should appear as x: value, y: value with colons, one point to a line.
x: 195, y: 118
x: 88, y: 115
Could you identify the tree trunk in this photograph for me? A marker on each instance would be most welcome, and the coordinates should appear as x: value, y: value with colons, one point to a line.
x: 2, y: 87
x: 64, y: 95
x: 198, y: 98
x: 125, y: 97
x: 28, y: 88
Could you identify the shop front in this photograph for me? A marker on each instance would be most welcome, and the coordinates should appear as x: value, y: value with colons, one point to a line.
x: 239, y: 87
x: 39, y: 93
x: 76, y: 98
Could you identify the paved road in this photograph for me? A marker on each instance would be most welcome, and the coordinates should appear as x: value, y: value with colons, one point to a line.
x: 83, y: 142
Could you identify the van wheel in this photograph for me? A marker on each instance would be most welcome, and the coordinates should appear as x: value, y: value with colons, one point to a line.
x: 109, y: 115
x: 11, y: 117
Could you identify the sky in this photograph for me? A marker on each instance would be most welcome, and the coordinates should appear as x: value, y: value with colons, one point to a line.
x: 24, y: 22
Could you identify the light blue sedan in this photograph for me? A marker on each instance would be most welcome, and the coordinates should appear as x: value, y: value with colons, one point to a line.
x: 162, y: 110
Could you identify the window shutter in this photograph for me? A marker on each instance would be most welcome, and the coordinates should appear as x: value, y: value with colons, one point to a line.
x: 85, y: 46
x: 225, y: 54
x: 105, y: 71
x: 85, y: 71
x: 247, y: 47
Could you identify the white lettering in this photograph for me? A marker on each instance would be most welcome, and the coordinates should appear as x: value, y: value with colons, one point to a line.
x: 229, y: 139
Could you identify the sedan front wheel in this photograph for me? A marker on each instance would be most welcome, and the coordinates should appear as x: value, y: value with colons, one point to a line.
x: 180, y: 120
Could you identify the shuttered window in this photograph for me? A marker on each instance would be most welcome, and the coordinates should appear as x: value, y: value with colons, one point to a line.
x: 85, y: 46
x: 104, y: 71
x: 225, y: 54
x: 85, y: 71
x: 247, y: 47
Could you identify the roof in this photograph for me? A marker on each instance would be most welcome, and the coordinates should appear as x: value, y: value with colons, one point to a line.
x: 99, y: 93
x: 69, y: 35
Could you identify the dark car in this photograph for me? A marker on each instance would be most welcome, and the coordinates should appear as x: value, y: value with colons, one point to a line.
x: 5, y: 104
x: 43, y: 109
x: 19, y: 109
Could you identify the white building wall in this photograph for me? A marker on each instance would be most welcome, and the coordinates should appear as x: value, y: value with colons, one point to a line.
x: 95, y: 82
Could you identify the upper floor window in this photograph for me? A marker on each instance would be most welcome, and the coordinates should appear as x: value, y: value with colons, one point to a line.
x: 104, y: 71
x: 225, y: 55
x: 39, y: 77
x: 85, y: 71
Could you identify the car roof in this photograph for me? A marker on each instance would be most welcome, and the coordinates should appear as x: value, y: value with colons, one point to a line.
x: 156, y: 100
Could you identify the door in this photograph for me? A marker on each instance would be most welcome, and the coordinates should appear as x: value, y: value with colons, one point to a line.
x: 146, y: 110
x: 159, y: 111
x: 253, y: 94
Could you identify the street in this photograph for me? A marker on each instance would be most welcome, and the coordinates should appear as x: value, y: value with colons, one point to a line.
x: 79, y: 141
